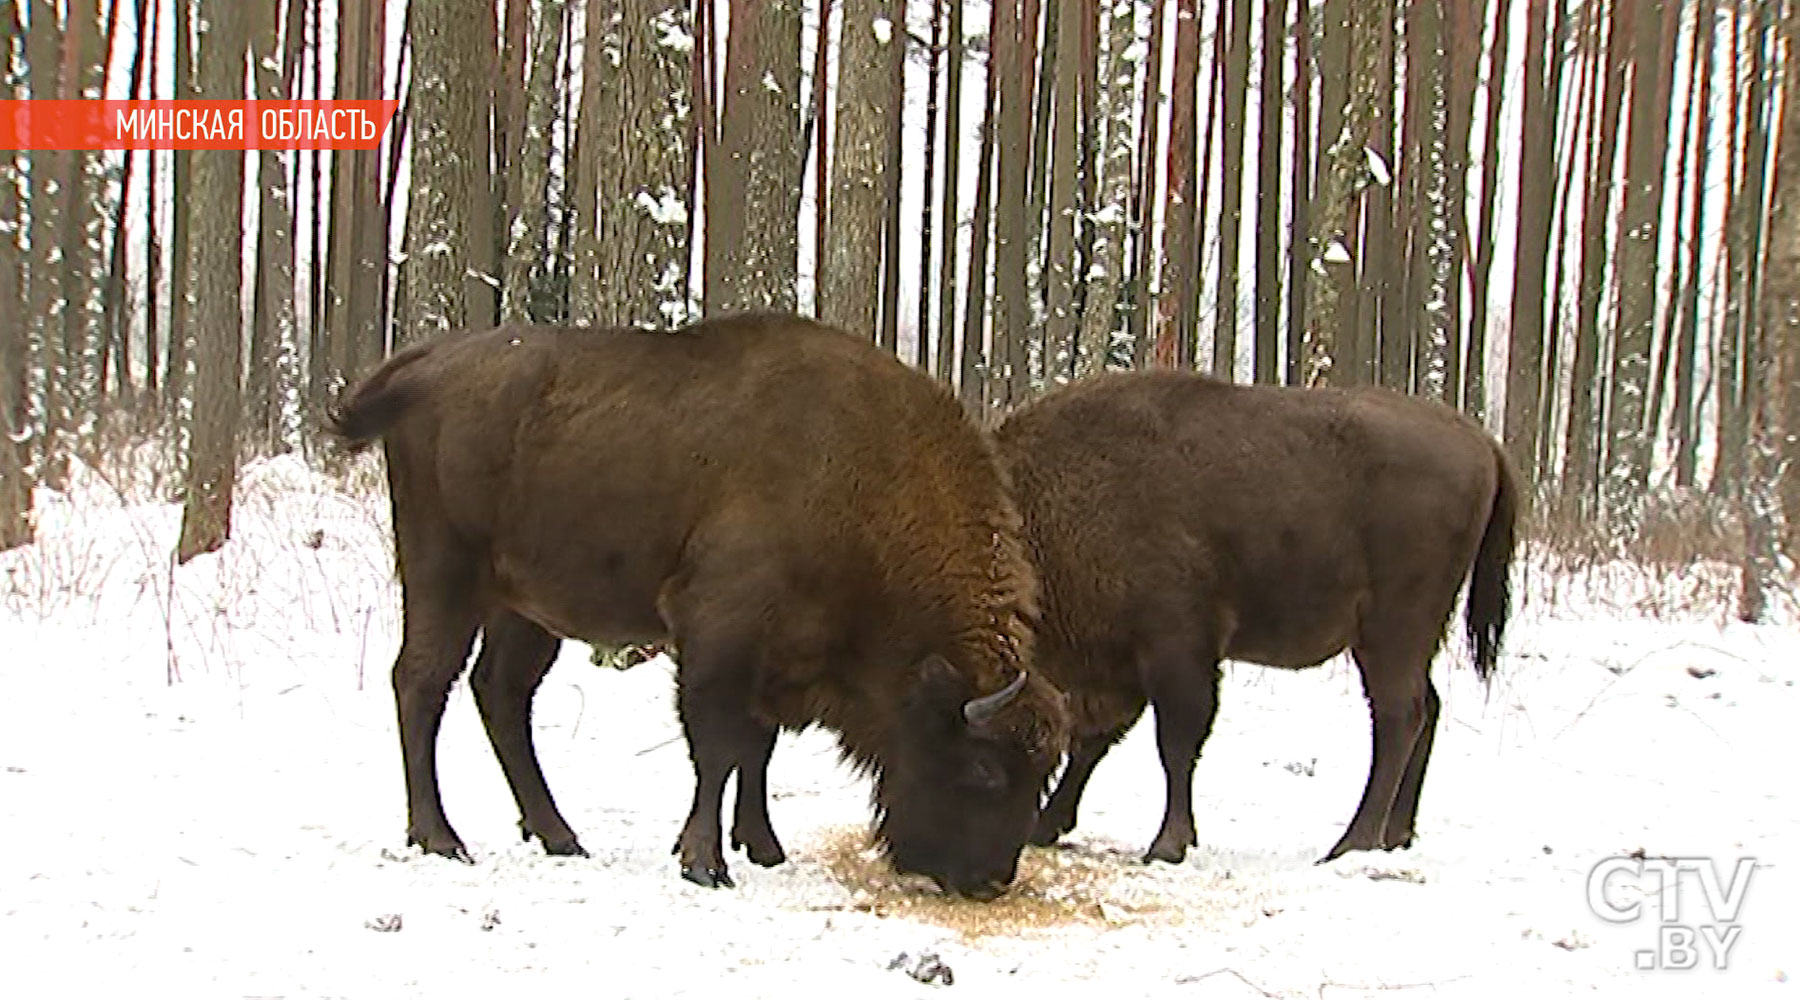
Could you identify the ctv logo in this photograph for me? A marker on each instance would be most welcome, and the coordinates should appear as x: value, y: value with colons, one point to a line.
x: 1696, y: 905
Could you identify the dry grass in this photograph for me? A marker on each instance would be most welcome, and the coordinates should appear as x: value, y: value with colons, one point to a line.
x: 1055, y: 888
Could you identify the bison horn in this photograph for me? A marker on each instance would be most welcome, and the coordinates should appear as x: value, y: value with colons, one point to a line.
x: 980, y: 710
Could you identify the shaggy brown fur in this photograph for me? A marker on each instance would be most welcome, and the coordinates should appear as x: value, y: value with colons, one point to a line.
x: 819, y: 529
x: 1176, y: 521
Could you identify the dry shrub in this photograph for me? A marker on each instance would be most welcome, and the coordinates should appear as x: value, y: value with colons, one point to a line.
x: 1055, y: 887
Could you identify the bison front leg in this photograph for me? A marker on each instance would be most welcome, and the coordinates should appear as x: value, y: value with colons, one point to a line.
x: 714, y: 704
x: 1185, y: 701
x: 750, y: 828
x: 1058, y: 815
x: 515, y: 655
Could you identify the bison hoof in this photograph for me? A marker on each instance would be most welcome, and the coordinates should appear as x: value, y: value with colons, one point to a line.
x: 452, y: 849
x: 767, y: 853
x: 1172, y: 853
x: 1350, y: 842
x: 570, y: 848
x: 708, y: 877
x: 1047, y: 834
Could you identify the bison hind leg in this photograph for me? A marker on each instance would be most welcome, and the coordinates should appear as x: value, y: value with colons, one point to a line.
x: 515, y: 655
x: 1398, y: 686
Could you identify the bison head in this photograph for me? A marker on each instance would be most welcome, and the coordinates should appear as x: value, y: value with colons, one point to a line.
x: 960, y: 788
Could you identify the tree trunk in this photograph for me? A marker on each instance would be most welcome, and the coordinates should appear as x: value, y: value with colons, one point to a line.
x: 1582, y: 452
x: 1138, y: 267
x: 1103, y: 318
x: 1687, y: 338
x: 953, y: 75
x: 446, y: 101
x: 1475, y: 393
x: 1630, y: 432
x: 1537, y: 157
x: 84, y: 276
x: 850, y: 272
x: 1231, y: 187
x: 1776, y: 451
x: 1300, y: 194
x: 1010, y: 365
x: 16, y: 515
x: 1061, y: 263
x: 1176, y: 319
x: 272, y: 338
x: 1744, y: 237
x: 635, y: 111
x: 976, y: 355
x: 216, y: 261
x: 1269, y: 226
x: 927, y: 230
x: 890, y: 174
x: 1344, y: 175
x: 528, y: 235
x: 46, y: 301
x: 759, y: 162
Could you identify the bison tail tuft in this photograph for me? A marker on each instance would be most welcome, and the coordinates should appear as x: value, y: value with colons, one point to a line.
x: 1490, y: 585
x: 366, y: 411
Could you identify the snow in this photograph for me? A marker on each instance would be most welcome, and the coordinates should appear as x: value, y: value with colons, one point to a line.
x: 883, y: 29
x: 200, y: 788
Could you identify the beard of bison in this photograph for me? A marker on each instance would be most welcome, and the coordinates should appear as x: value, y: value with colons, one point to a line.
x: 958, y: 795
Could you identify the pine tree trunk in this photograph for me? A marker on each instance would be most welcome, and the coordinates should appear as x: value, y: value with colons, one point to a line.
x: 637, y: 152
x: 1475, y: 390
x: 850, y: 272
x: 1269, y: 226
x: 1537, y: 183
x: 273, y: 347
x: 357, y: 260
x: 1744, y: 247
x: 1103, y: 318
x: 528, y: 234
x: 1776, y: 451
x: 1177, y: 304
x: 216, y: 259
x: 927, y: 229
x: 1630, y: 430
x: 947, y: 366
x: 1687, y: 338
x: 1300, y: 195
x: 1231, y: 187
x: 47, y: 304
x: 1582, y: 457
x: 1343, y: 176
x: 1139, y: 268
x: 16, y: 514
x: 977, y: 356
x: 1013, y: 62
x: 1061, y: 263
x: 447, y: 94
x: 890, y: 174
x: 84, y: 56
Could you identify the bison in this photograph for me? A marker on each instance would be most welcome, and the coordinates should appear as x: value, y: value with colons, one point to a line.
x: 1176, y: 520
x: 821, y: 531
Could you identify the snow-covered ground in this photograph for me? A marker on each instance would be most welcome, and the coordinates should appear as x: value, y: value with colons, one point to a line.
x: 200, y: 796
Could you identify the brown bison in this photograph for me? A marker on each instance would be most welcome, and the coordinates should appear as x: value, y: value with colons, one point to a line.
x: 1176, y: 520
x: 819, y: 529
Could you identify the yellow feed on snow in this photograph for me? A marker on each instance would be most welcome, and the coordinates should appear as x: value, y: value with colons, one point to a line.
x: 1054, y: 888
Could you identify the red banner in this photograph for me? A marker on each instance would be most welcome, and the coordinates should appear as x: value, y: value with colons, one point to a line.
x: 194, y: 124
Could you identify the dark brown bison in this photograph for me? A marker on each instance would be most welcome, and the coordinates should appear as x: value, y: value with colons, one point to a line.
x: 819, y: 529
x: 1176, y: 520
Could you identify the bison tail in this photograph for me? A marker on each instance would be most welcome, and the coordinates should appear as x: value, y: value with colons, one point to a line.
x: 1490, y: 585
x: 366, y: 411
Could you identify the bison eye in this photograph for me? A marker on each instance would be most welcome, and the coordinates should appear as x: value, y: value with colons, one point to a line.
x: 986, y: 775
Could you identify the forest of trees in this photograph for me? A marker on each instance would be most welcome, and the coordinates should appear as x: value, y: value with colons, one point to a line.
x: 1576, y: 220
